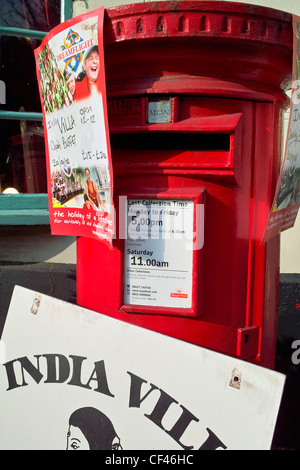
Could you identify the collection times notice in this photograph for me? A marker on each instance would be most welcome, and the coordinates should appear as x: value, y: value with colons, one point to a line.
x: 158, y: 256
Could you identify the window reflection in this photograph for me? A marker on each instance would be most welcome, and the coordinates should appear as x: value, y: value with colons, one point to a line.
x: 17, y: 71
x: 40, y: 15
x: 22, y: 162
x: 22, y: 147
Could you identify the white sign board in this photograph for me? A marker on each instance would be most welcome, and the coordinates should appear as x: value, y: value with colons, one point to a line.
x: 73, y: 378
x: 156, y: 229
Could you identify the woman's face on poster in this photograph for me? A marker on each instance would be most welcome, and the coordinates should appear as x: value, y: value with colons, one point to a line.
x: 91, y: 66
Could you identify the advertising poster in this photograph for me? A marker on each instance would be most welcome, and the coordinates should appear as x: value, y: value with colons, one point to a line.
x: 74, y: 379
x: 71, y: 76
x: 287, y: 197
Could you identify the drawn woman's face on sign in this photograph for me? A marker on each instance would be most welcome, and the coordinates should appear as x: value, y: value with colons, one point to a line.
x: 76, y: 440
x: 90, y: 429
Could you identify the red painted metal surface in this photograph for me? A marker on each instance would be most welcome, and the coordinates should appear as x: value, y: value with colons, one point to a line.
x: 224, y: 67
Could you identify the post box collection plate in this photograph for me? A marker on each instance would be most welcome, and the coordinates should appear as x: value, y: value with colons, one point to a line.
x: 158, y: 253
x: 160, y: 111
x: 162, y: 252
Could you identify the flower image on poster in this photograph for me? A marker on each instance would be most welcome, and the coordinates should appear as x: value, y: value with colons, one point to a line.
x: 70, y: 70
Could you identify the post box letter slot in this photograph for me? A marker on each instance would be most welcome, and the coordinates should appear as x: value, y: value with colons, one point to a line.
x: 204, y: 145
x: 196, y: 141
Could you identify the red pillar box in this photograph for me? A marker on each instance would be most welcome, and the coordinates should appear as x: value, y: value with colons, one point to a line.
x: 195, y: 101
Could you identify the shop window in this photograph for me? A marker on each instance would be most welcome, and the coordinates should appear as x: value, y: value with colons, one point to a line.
x: 40, y: 15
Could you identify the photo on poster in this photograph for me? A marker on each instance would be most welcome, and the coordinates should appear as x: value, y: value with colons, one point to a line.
x: 70, y: 69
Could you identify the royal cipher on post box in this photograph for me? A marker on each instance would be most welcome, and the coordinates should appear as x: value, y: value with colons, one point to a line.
x: 195, y: 102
